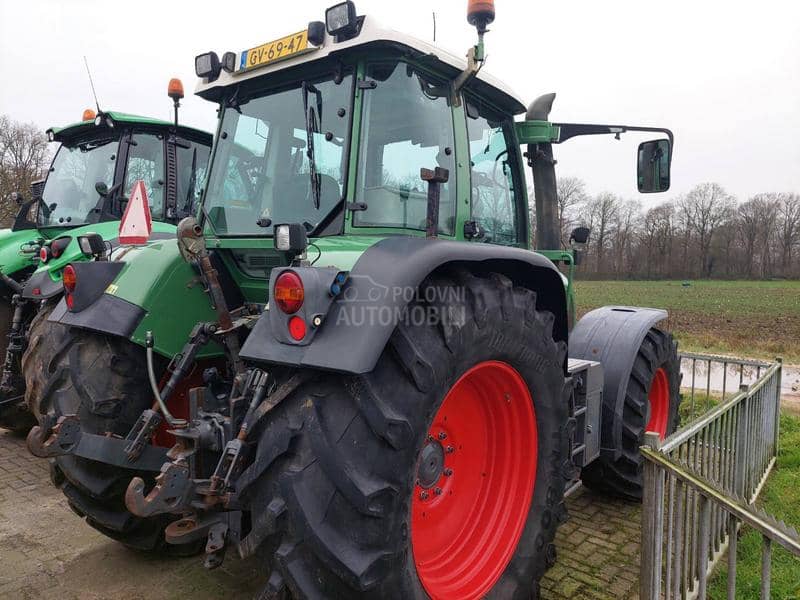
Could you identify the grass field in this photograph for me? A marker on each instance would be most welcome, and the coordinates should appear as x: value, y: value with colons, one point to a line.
x: 781, y: 498
x: 758, y: 319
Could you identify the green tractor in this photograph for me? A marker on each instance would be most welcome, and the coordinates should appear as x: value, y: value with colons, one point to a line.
x: 351, y: 362
x: 74, y: 215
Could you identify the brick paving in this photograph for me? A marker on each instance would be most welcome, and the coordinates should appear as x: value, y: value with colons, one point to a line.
x: 46, y: 551
x: 598, y: 550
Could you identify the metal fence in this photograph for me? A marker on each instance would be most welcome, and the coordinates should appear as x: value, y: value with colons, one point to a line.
x: 700, y: 481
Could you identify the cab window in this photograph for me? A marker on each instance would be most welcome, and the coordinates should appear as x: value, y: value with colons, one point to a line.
x: 407, y: 125
x: 493, y: 187
x: 146, y: 162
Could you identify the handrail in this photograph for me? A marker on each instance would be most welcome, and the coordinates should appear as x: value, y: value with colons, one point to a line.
x: 789, y: 539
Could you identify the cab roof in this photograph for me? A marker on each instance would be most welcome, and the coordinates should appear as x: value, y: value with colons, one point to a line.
x: 61, y: 134
x: 373, y: 35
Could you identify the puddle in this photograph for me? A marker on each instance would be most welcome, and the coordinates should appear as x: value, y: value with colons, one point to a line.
x: 719, y: 377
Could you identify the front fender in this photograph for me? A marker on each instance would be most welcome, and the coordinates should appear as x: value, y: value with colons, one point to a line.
x: 612, y: 335
x: 391, y: 265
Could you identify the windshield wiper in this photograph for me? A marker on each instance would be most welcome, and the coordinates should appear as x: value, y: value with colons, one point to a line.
x: 313, y: 118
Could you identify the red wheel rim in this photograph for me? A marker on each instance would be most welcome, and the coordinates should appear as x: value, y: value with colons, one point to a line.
x: 658, y: 398
x: 475, y: 480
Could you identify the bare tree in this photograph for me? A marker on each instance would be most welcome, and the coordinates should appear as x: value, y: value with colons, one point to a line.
x: 708, y: 206
x: 788, y: 229
x: 601, y: 212
x: 571, y: 192
x: 747, y: 224
x: 657, y: 233
x: 23, y: 158
x: 625, y: 221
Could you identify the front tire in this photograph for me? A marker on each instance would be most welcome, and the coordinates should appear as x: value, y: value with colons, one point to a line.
x: 652, y: 398
x: 337, y: 487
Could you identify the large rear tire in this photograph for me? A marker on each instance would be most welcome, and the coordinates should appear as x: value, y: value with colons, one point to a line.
x: 652, y: 398
x: 103, y: 380
x: 440, y: 474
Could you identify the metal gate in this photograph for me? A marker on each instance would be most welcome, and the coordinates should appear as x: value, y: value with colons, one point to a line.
x: 699, y: 482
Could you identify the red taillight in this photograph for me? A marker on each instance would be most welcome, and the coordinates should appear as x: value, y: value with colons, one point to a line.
x: 58, y: 245
x: 44, y: 254
x: 289, y: 293
x: 297, y: 328
x: 69, y: 280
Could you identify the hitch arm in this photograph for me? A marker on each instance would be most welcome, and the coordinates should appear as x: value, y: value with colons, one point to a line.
x: 66, y: 437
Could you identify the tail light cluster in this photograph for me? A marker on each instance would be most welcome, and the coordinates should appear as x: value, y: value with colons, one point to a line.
x: 69, y: 279
x: 54, y: 249
x: 302, y: 297
x: 289, y: 294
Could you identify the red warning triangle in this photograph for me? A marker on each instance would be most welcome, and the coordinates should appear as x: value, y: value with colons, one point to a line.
x: 136, y: 224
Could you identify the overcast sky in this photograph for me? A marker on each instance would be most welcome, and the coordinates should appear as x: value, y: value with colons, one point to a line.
x: 724, y: 75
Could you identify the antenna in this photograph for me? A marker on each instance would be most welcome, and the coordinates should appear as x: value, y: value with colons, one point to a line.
x: 434, y: 26
x: 91, y: 82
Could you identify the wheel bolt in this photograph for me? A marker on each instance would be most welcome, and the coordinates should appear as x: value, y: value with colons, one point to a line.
x: 423, y: 495
x: 448, y: 472
x: 437, y: 491
x: 450, y: 450
x: 430, y: 438
x: 442, y: 435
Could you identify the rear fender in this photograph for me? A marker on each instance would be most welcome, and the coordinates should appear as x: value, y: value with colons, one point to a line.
x: 45, y: 283
x: 612, y: 336
x: 377, y: 286
x: 153, y: 290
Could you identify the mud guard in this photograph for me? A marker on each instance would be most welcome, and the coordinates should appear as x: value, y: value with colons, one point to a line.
x: 612, y: 335
x: 379, y: 284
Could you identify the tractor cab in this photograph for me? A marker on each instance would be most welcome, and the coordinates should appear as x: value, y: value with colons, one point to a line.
x: 333, y: 127
x: 91, y: 179
x: 333, y: 132
x: 100, y: 159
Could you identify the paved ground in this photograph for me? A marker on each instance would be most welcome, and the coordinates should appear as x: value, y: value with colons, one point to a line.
x: 46, y: 551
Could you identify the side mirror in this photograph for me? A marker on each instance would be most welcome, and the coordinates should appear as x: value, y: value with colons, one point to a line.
x: 101, y: 188
x: 37, y: 189
x: 579, y: 236
x: 653, y: 165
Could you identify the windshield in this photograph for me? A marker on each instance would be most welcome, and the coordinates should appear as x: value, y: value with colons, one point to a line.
x: 69, y: 194
x: 262, y: 170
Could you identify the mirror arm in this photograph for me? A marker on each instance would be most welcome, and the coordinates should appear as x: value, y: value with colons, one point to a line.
x: 571, y: 130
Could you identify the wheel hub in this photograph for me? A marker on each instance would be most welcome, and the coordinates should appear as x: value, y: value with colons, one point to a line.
x: 431, y: 464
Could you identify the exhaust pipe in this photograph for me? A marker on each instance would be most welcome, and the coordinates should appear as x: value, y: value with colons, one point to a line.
x: 540, y: 159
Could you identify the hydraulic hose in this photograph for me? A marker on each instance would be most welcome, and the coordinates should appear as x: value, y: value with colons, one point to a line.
x: 151, y: 374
